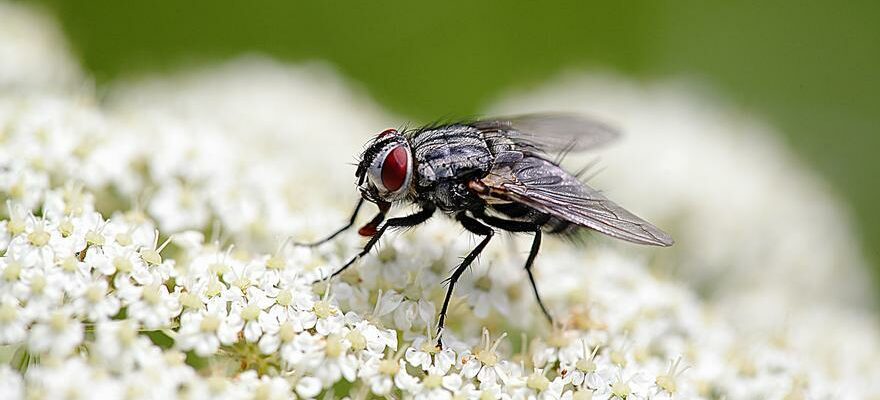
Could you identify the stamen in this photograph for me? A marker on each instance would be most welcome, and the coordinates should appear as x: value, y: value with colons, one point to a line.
x: 485, y: 338
x: 283, y: 245
x: 326, y: 295
x: 378, y: 301
x: 589, y: 355
x: 216, y: 227
x: 498, y: 341
x: 165, y: 243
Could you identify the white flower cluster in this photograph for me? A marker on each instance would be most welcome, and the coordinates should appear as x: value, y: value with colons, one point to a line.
x: 763, y: 240
x: 144, y: 253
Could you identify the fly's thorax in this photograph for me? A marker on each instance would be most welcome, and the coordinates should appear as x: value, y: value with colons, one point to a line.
x: 450, y: 153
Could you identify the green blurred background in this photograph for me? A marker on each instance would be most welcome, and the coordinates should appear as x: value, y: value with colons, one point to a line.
x: 810, y: 68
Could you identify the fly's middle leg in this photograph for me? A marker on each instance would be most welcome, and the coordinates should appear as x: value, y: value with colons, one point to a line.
x: 475, y: 227
x: 533, y: 253
x: 522, y: 226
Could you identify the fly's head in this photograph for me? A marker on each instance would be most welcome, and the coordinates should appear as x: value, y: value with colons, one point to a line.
x: 385, y: 171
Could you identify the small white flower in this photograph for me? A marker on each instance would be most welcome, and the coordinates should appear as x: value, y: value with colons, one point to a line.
x: 392, y: 266
x: 13, y: 321
x: 239, y: 275
x: 459, y: 387
x: 271, y: 388
x: 118, y: 344
x: 252, y: 310
x: 24, y: 185
x: 485, y: 292
x: 155, y: 306
x: 424, y: 354
x: 303, y: 351
x: 304, y: 319
x: 71, y: 200
x: 329, y: 319
x: 432, y: 387
x: 11, y: 268
x: 309, y: 387
x: 122, y: 263
x: 585, y: 372
x: 204, y: 331
x: 382, y: 375
x: 74, y: 272
x: 338, y: 362
x: 15, y: 224
x: 152, y: 258
x: 73, y: 378
x: 367, y: 336
x: 12, y: 384
x: 294, y: 305
x: 416, y: 313
x: 93, y: 300
x: 626, y: 385
x: 57, y: 334
x: 178, y: 206
x: 41, y: 288
x: 406, y: 382
x: 484, y: 363
x: 40, y: 242
x: 667, y: 383
x: 545, y: 389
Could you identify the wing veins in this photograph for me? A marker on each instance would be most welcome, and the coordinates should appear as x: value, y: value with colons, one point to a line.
x: 542, y: 185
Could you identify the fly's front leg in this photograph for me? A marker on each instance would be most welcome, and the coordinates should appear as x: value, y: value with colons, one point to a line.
x: 400, y: 222
x: 350, y: 223
x: 476, y: 227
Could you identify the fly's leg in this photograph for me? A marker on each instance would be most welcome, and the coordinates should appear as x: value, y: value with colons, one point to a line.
x: 536, y: 245
x: 351, y: 220
x: 506, y: 224
x: 475, y: 227
x: 400, y: 222
x: 521, y: 226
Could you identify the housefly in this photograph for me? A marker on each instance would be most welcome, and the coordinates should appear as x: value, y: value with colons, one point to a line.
x: 491, y: 174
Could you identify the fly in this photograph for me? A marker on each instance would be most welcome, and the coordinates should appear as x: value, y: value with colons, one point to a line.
x: 491, y: 174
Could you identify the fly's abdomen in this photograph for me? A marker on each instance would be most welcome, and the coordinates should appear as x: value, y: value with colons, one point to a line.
x: 449, y: 154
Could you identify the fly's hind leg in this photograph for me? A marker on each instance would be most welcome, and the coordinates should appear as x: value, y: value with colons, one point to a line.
x: 522, y: 226
x: 475, y: 227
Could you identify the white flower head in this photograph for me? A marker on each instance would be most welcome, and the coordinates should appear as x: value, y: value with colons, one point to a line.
x: 203, y: 331
x: 484, y: 363
x: 220, y: 163
x: 56, y: 334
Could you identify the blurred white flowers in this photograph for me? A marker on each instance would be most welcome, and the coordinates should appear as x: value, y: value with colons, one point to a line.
x: 34, y: 53
x: 144, y: 255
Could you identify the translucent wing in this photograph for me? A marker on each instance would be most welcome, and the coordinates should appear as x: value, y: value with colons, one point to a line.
x: 544, y: 186
x: 549, y: 132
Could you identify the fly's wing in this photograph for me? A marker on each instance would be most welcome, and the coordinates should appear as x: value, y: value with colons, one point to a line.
x: 542, y: 185
x: 548, y: 133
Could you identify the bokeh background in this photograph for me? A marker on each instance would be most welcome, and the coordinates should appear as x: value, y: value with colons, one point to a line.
x: 809, y: 68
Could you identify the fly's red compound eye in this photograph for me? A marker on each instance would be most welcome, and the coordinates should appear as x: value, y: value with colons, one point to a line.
x: 390, y: 170
x: 387, y: 132
x: 395, y: 168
